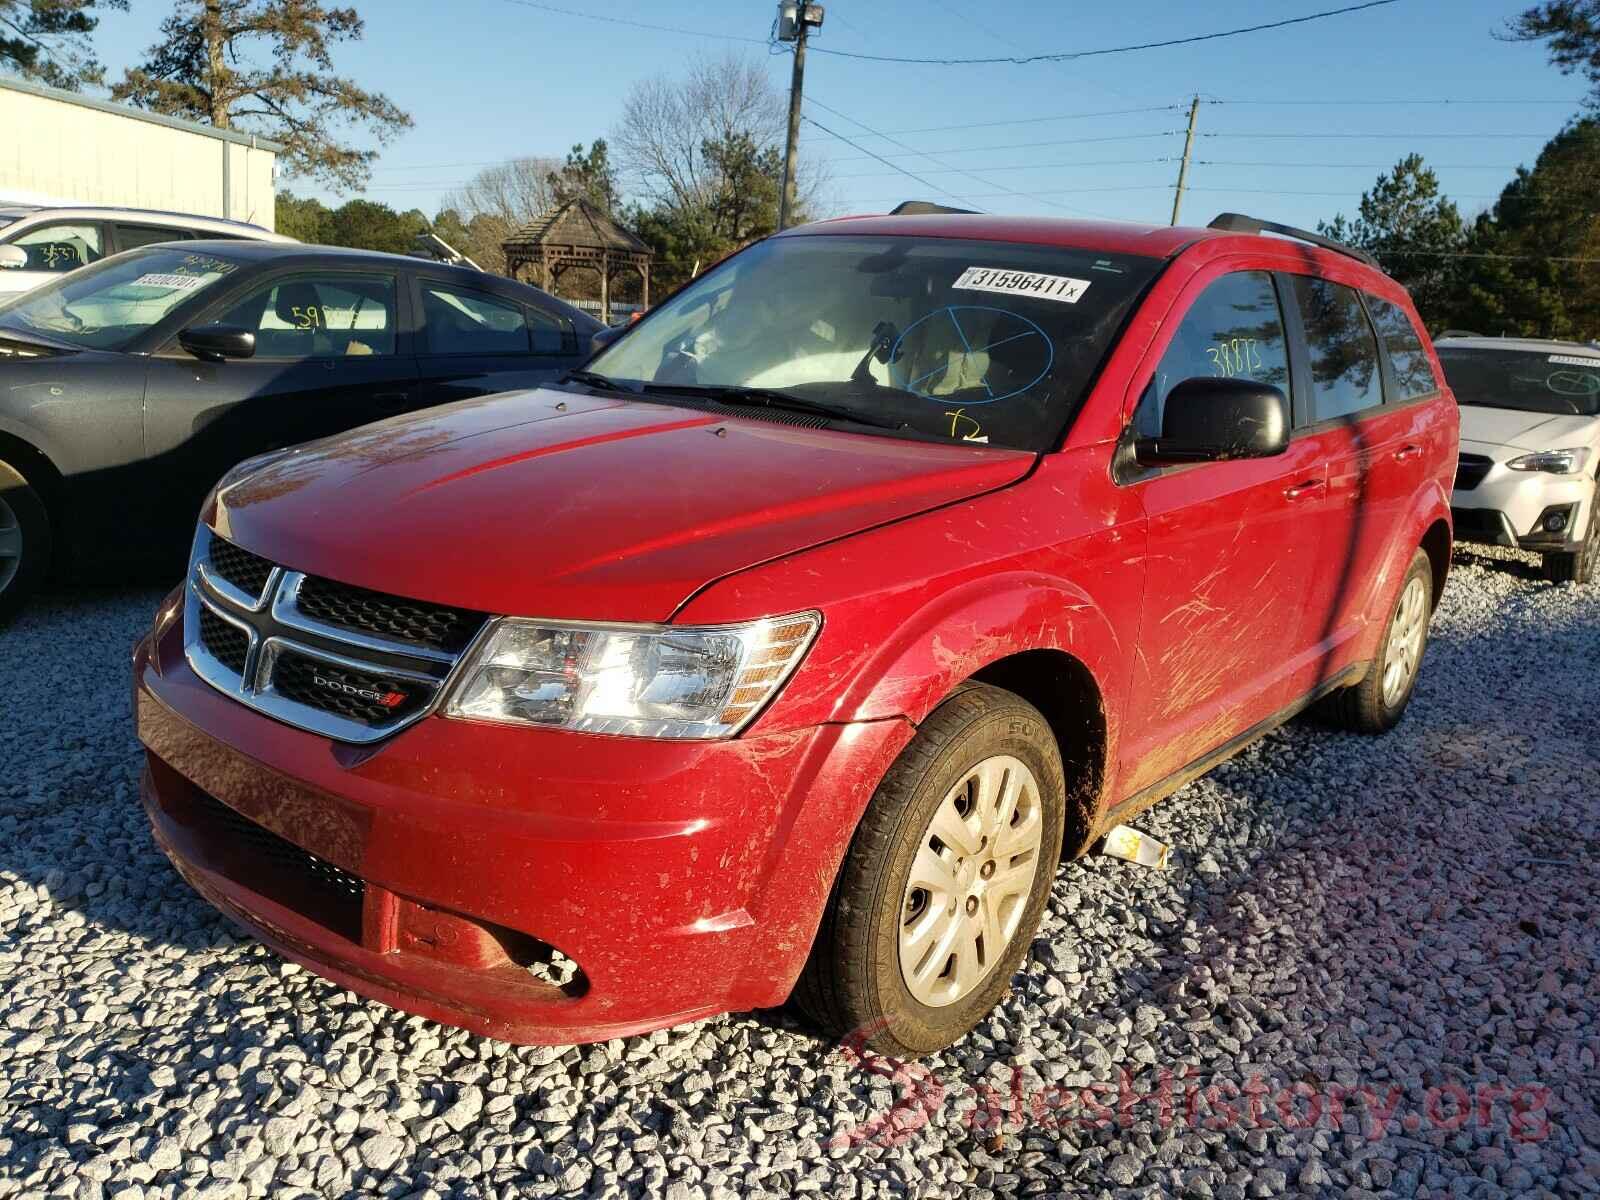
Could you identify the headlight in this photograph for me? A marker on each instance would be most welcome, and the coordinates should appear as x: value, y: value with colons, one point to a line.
x: 1555, y: 462
x: 643, y: 681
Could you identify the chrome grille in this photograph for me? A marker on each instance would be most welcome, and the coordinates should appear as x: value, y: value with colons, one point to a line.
x: 354, y: 665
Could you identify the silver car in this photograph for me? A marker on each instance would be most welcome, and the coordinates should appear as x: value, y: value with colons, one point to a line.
x: 40, y: 244
x: 1530, y: 446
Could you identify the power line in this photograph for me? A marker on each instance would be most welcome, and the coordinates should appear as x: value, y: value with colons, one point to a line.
x: 572, y: 12
x: 1113, y: 112
x: 1057, y: 166
x: 1069, y: 55
x: 1125, y: 137
x: 870, y: 154
x: 1217, y: 162
x: 1239, y: 133
x: 935, y: 161
x: 1341, y: 103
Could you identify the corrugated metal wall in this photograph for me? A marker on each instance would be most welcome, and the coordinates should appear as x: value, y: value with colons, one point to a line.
x: 70, y: 151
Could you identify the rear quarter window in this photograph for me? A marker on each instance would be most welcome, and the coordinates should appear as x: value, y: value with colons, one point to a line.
x: 1413, y: 373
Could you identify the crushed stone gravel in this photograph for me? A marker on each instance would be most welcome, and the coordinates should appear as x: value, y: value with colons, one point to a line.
x: 1370, y: 972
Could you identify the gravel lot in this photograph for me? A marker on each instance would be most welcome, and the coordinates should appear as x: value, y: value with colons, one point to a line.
x: 1403, y: 931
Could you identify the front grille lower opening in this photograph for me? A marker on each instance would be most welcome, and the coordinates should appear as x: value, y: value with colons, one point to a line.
x: 275, y: 867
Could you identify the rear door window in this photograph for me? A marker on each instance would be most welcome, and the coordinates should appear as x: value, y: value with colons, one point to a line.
x: 1343, y: 351
x: 1413, y: 373
x: 458, y: 321
x: 551, y: 332
x: 1234, y: 328
x: 131, y: 237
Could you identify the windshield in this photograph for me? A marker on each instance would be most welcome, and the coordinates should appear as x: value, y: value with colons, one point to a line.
x: 974, y: 341
x: 108, y: 305
x: 1524, y: 380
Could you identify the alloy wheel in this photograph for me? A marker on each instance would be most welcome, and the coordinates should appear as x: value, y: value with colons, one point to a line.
x: 10, y: 545
x: 1405, y: 641
x: 970, y: 881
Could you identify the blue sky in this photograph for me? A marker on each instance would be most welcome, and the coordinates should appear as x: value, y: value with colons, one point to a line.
x: 488, y: 80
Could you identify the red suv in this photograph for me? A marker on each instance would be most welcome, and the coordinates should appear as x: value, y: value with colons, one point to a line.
x: 787, y: 649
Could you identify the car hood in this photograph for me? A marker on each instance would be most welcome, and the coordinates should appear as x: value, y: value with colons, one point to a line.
x: 1493, y: 427
x: 559, y: 504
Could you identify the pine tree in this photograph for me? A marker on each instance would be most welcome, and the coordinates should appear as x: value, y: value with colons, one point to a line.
x: 48, y: 40
x: 266, y: 66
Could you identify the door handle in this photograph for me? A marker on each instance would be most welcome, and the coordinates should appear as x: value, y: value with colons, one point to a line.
x: 1407, y: 452
x: 392, y: 399
x: 1304, y: 489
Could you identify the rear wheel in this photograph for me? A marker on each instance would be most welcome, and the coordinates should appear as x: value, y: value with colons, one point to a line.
x: 1376, y: 704
x: 1579, y: 567
x: 945, y: 880
x: 24, y: 540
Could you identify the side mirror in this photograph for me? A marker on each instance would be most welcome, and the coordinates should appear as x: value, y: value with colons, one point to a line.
x: 13, y: 258
x: 1213, y: 420
x: 214, y: 343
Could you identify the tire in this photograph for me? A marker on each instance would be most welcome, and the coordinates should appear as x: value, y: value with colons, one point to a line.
x: 1581, y: 566
x: 1376, y: 704
x: 24, y: 541
x: 981, y: 743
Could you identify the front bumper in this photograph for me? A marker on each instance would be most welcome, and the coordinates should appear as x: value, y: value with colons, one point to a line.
x: 1508, y: 508
x: 442, y: 871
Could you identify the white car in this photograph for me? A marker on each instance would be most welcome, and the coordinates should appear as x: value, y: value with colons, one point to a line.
x: 1530, y: 446
x: 37, y: 244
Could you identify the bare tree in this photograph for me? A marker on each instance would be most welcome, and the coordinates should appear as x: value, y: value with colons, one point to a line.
x: 499, y: 200
x: 667, y: 124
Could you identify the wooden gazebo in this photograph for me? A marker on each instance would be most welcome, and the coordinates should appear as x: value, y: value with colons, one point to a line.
x: 577, y: 234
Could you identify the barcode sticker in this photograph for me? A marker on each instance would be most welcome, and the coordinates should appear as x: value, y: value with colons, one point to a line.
x: 1572, y: 360
x: 182, y: 283
x: 1062, y: 288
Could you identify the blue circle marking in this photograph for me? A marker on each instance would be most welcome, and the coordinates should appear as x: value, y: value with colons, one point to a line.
x: 949, y: 313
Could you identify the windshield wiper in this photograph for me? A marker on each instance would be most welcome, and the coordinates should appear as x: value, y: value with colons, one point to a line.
x: 758, y: 397
x: 596, y: 380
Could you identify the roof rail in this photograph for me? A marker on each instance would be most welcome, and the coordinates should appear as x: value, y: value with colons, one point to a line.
x: 1449, y: 333
x: 1239, y: 223
x: 924, y: 208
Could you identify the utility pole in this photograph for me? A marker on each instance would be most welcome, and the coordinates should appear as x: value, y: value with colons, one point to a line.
x: 1183, y: 168
x: 795, y: 21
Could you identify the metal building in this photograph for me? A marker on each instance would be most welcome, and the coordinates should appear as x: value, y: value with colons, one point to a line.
x: 59, y: 147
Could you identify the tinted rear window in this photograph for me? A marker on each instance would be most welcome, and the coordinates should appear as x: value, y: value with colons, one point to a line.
x: 1413, y: 373
x: 1526, y: 380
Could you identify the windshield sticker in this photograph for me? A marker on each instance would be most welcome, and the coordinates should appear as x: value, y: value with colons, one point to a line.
x: 1062, y: 288
x: 182, y: 283
x: 1572, y: 360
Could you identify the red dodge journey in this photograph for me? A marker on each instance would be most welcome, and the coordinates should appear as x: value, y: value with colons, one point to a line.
x: 786, y: 650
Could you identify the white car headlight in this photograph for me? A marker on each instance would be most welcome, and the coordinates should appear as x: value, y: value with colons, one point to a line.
x: 659, y: 681
x: 1554, y: 462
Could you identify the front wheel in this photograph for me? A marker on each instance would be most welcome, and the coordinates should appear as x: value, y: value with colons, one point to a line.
x: 24, y: 540
x: 1376, y: 704
x: 945, y: 880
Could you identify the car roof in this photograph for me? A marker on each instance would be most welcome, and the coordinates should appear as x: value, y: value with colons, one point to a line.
x: 1529, y: 345
x: 157, y: 215
x: 1111, y: 237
